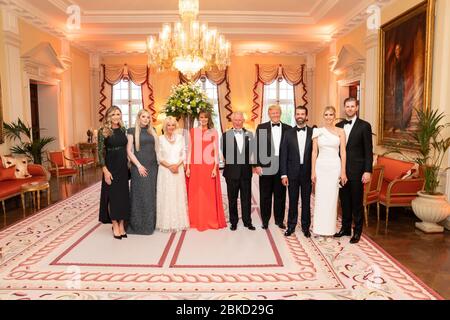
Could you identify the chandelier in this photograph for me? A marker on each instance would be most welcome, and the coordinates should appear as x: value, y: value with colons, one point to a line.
x: 188, y: 46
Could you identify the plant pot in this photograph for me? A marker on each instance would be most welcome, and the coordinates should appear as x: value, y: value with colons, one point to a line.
x: 431, y: 209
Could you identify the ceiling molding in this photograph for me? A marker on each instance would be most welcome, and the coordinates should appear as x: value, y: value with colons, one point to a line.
x: 42, y: 21
x: 356, y: 17
x: 246, y: 17
x: 36, y: 17
x: 113, y: 52
x: 321, y: 9
x: 60, y: 4
x: 270, y: 53
x: 225, y: 31
x: 353, y: 20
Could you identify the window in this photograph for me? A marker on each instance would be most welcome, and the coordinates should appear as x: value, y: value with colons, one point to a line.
x: 281, y: 93
x: 211, y: 91
x: 128, y: 97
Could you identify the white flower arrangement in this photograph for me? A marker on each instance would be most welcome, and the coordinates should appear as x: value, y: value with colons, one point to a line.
x: 187, y: 99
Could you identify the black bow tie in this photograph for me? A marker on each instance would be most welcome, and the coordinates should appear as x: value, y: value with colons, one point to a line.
x: 348, y: 122
x: 275, y: 125
x: 301, y: 129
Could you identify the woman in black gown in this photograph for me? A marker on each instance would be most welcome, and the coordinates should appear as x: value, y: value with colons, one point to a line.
x: 112, y: 154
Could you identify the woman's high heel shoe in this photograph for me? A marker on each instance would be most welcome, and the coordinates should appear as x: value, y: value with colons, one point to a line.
x: 116, y: 237
x: 124, y: 236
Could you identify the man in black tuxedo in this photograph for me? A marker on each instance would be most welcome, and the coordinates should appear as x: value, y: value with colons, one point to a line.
x: 268, y: 141
x: 295, y: 170
x: 359, y: 170
x: 237, y: 150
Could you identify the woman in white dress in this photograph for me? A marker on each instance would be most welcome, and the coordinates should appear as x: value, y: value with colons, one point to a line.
x: 327, y: 172
x: 171, y: 199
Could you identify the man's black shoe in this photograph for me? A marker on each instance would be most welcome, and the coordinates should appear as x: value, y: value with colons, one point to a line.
x: 342, y: 233
x: 289, y: 232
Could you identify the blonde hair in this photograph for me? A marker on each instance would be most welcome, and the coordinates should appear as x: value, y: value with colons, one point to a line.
x: 168, y: 120
x: 107, y: 123
x: 329, y: 108
x: 274, y: 107
x: 137, y: 131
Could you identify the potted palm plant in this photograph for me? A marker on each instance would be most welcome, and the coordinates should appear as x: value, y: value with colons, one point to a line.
x: 32, y: 148
x: 430, y: 206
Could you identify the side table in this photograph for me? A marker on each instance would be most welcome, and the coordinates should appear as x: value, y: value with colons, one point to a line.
x: 35, y: 189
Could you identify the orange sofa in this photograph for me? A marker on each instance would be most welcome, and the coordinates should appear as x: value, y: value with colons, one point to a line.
x: 11, y: 187
x: 401, y: 182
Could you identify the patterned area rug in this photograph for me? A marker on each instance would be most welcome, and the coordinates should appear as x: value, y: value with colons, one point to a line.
x: 64, y: 253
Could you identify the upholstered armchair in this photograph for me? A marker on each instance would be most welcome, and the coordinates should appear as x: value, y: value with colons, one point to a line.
x: 401, y: 182
x: 58, y: 164
x: 78, y: 158
x: 372, y: 192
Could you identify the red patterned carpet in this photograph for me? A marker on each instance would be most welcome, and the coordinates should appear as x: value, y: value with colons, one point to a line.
x: 64, y: 253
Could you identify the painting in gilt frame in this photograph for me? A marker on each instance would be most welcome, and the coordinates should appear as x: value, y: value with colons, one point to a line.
x: 406, y: 49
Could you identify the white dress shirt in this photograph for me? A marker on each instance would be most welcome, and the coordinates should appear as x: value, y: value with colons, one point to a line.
x: 301, y: 138
x: 239, y: 138
x: 348, y: 127
x: 276, y: 138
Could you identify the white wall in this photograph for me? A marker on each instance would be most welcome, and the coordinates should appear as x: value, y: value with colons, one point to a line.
x: 49, y: 114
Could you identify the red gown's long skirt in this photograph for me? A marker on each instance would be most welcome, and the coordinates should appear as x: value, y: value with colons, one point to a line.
x: 204, y: 192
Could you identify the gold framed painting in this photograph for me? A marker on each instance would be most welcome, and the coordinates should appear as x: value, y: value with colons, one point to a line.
x: 406, y: 51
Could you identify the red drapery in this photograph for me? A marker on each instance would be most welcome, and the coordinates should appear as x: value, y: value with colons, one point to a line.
x: 267, y: 74
x: 139, y: 75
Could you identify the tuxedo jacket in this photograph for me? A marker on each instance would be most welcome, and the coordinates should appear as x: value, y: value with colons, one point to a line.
x: 238, y: 165
x: 359, y: 149
x: 290, y: 154
x: 265, y: 149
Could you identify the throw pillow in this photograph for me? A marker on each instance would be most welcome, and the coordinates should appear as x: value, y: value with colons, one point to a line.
x: 8, y: 161
x: 22, y: 168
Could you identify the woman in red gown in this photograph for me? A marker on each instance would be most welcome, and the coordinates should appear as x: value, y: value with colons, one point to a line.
x: 204, y: 191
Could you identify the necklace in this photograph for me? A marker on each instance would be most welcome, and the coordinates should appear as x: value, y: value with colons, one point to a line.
x: 170, y: 139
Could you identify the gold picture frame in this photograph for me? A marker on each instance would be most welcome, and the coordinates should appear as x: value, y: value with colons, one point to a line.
x: 405, y: 74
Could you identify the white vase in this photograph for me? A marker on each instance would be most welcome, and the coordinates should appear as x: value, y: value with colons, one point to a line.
x: 431, y: 209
